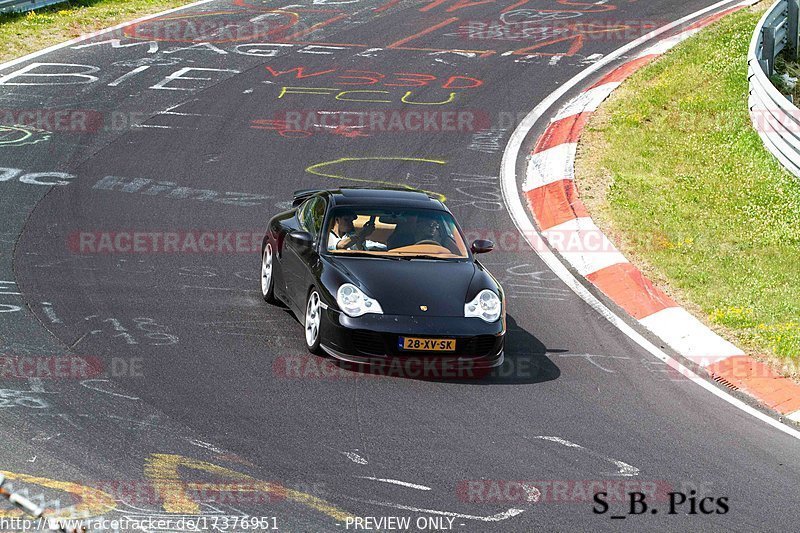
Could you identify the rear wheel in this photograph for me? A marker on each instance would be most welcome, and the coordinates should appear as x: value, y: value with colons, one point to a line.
x: 267, y: 279
x: 313, y: 323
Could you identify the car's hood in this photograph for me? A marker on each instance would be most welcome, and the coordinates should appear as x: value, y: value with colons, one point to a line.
x: 401, y: 287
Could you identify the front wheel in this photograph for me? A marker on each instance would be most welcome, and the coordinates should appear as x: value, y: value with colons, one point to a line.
x: 267, y: 279
x: 313, y: 323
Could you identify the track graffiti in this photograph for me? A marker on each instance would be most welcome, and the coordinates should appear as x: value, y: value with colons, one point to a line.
x: 58, y: 74
x: 215, y: 27
x: 276, y: 31
x: 489, y: 141
x: 163, y: 470
x: 90, y: 501
x: 15, y: 135
x: 316, y: 170
x: 141, y: 330
x: 364, y: 95
x: 290, y: 129
x: 167, y: 487
x: 171, y: 190
x: 10, y: 398
x: 44, y: 179
x: 144, y: 186
x: 369, y: 77
x: 524, y: 280
x: 9, y: 288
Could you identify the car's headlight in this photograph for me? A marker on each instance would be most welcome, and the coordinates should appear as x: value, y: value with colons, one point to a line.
x: 353, y: 302
x: 486, y: 305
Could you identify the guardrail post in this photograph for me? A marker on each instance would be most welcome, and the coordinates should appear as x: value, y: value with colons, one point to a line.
x: 793, y: 33
x: 768, y: 50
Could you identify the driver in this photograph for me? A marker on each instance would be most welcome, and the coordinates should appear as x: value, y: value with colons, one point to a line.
x: 343, y: 234
x: 431, y: 230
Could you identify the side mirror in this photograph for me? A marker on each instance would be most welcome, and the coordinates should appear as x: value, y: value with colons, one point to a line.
x: 482, y: 246
x: 302, y: 239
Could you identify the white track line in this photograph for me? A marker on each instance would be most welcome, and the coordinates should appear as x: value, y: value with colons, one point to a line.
x: 623, y: 468
x: 511, y: 198
x: 559, y: 440
x: 396, y: 482
x: 88, y: 383
x: 353, y: 456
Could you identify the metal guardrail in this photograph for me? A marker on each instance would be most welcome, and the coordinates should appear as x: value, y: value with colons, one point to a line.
x: 8, y: 6
x: 774, y: 116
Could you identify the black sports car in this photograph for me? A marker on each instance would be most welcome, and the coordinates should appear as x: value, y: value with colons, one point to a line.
x: 381, y: 275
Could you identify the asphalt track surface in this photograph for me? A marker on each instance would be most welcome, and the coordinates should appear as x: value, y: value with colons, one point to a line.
x: 210, y: 381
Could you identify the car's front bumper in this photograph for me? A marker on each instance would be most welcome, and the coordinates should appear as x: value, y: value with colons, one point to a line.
x: 373, y: 340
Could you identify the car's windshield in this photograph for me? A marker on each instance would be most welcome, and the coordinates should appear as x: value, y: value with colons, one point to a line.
x: 395, y: 232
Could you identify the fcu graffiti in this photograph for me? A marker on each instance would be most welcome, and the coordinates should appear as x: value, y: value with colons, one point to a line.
x: 363, y: 95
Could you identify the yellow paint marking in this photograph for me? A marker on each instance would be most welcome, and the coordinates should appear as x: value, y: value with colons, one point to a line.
x: 405, y: 99
x: 92, y: 502
x: 162, y: 470
x: 25, y: 132
x: 314, y: 169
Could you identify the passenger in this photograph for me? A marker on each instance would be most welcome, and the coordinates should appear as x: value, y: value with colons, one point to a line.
x: 344, y: 236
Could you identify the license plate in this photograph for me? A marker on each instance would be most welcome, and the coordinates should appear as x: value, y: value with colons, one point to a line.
x: 426, y: 345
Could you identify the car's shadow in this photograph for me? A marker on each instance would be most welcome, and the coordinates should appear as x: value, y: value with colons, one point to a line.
x: 526, y: 362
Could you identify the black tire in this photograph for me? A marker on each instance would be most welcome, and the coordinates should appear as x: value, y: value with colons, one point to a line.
x: 268, y: 271
x: 312, y: 322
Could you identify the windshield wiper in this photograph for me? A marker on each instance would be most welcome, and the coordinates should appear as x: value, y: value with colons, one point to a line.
x: 367, y: 254
x: 424, y: 256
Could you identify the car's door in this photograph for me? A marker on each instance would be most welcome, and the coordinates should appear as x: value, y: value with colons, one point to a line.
x: 298, y: 258
x: 313, y: 262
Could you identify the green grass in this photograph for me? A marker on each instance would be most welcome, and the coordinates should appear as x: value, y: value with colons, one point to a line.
x: 672, y: 164
x: 23, y: 33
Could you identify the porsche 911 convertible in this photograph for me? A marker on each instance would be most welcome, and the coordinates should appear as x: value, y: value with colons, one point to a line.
x: 379, y: 275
